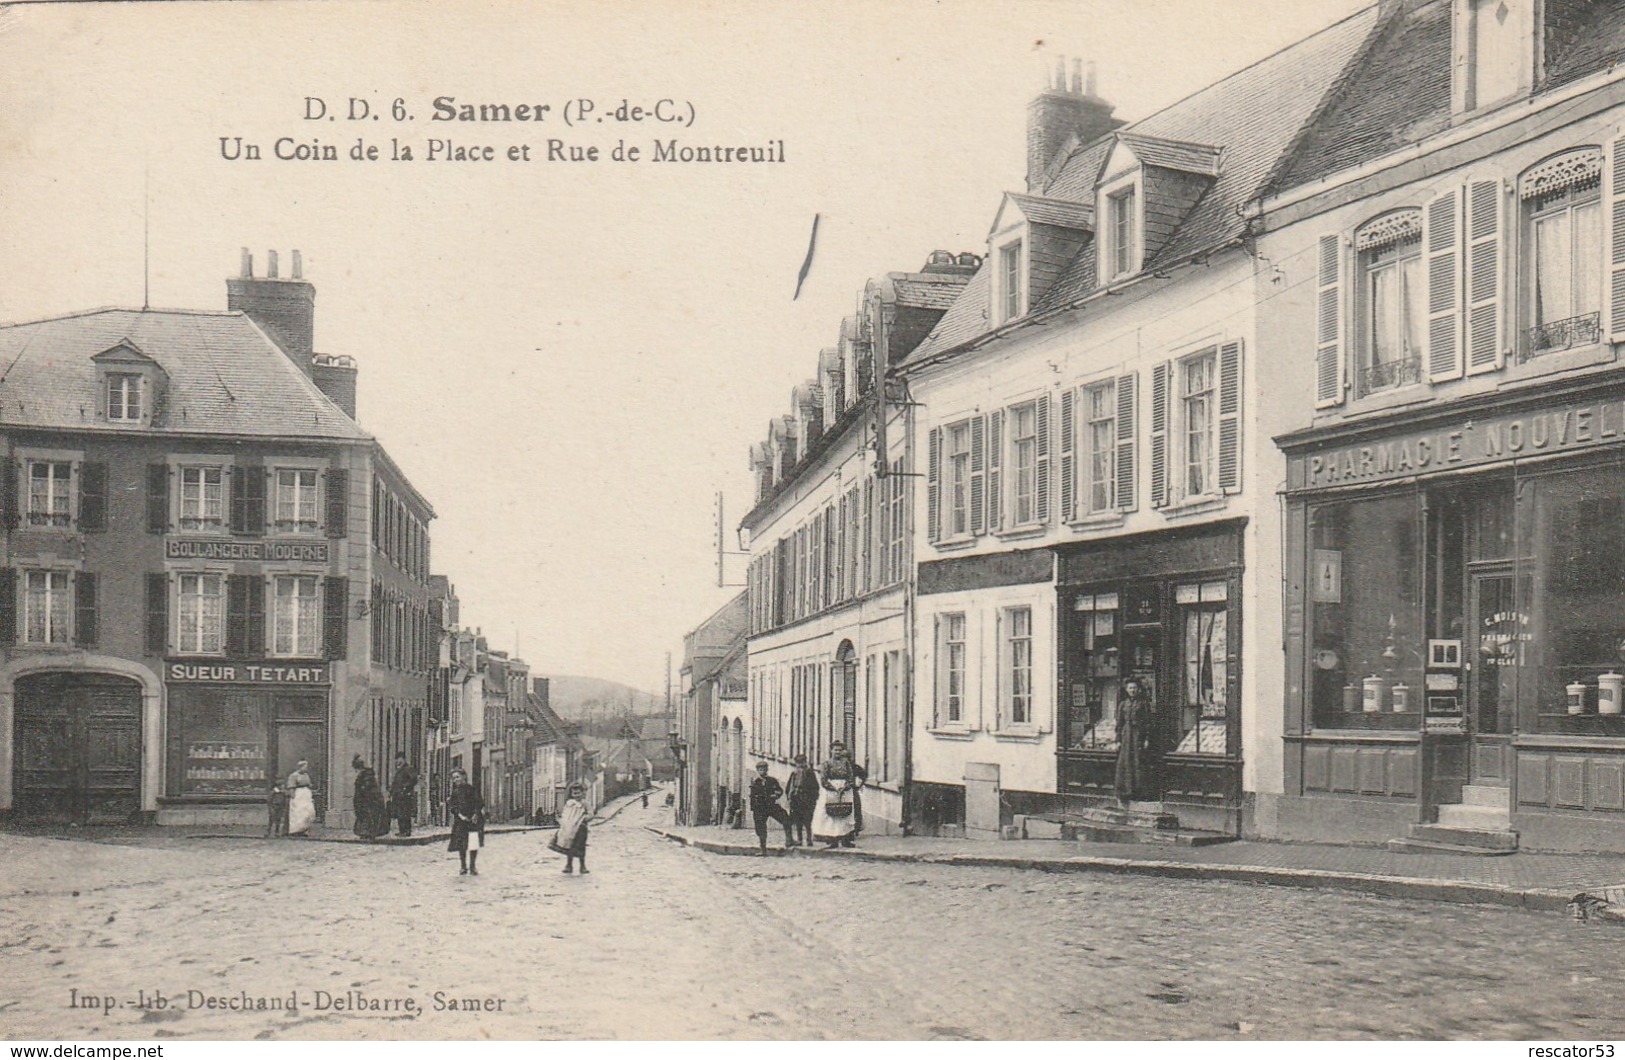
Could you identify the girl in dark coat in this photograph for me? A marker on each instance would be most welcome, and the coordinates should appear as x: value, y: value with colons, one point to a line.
x: 1133, y: 740
x: 467, y: 811
x: 371, y: 813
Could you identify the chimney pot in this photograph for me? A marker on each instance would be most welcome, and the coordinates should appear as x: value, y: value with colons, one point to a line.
x: 1060, y: 74
x: 270, y: 264
x: 1077, y: 76
x: 1089, y: 83
x: 298, y: 267
x: 248, y: 265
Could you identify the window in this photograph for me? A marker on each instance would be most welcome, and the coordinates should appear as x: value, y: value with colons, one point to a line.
x: 1099, y: 444
x: 1024, y: 463
x: 1393, y: 302
x: 959, y: 484
x: 1018, y: 666
x: 47, y: 607
x: 49, y: 493
x: 298, y: 616
x: 124, y: 397
x: 1563, y: 252
x: 1495, y: 55
x: 1010, y: 286
x: 296, y: 500
x: 202, y: 498
x: 1196, y: 395
x: 201, y: 614
x: 951, y: 669
x: 1204, y: 667
x: 1121, y: 207
x: 1091, y: 720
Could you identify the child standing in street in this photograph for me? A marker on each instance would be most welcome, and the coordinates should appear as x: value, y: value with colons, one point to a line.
x: 765, y: 792
x: 572, y: 838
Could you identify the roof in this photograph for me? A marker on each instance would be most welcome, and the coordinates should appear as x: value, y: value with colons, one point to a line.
x: 1368, y: 119
x: 1060, y: 212
x: 225, y: 375
x: 1234, y: 131
x: 926, y: 291
x: 1182, y: 155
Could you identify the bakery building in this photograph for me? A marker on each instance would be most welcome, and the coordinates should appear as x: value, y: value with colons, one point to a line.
x: 1455, y: 495
x: 185, y: 503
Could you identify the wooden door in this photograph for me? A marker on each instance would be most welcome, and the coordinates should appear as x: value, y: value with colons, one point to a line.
x: 78, y: 741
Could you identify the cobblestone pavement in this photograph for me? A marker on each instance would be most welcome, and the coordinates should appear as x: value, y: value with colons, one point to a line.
x: 663, y: 941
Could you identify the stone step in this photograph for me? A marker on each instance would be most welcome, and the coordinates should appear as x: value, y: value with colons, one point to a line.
x: 1482, y: 818
x: 1501, y: 839
x: 1488, y: 795
x: 1431, y: 846
x: 1151, y: 816
x: 1183, y: 837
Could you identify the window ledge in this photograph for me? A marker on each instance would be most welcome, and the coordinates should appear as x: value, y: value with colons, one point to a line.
x: 1016, y: 533
x: 1410, y: 394
x: 953, y: 734
x: 1195, y: 506
x: 954, y: 544
x: 1019, y: 733
x: 1099, y: 521
x: 1560, y: 361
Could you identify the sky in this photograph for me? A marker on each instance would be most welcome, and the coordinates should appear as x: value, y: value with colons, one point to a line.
x: 570, y: 359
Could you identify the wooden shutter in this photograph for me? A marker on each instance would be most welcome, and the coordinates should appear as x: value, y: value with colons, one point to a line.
x: 157, y: 613
x: 92, y: 497
x: 157, y: 498
x: 1485, y: 348
x: 1614, y: 194
x: 254, y: 480
x: 1161, y: 377
x: 995, y: 472
x: 1041, y: 483
x: 11, y: 514
x: 338, y: 502
x: 335, y: 617
x: 978, y: 474
x: 1069, y: 492
x: 1442, y: 241
x: 84, y: 609
x: 237, y: 590
x: 8, y: 604
x: 1329, y: 370
x: 1230, y: 417
x: 1127, y: 405
x: 933, y: 495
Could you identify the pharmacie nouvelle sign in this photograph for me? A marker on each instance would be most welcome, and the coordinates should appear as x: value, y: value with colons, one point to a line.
x: 252, y: 551
x: 1481, y: 440
x: 260, y: 673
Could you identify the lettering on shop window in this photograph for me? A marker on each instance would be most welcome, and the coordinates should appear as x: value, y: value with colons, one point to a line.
x: 254, y: 673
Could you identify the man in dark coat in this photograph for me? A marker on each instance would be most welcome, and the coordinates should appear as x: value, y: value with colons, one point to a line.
x: 403, y: 788
x: 803, y: 791
x: 765, y: 792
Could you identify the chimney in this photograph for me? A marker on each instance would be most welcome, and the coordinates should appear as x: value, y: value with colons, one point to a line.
x: 1068, y: 106
x: 336, y: 377
x: 284, y: 309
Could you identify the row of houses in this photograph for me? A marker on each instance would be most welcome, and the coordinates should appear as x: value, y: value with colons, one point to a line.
x: 1297, y: 401
x: 210, y: 572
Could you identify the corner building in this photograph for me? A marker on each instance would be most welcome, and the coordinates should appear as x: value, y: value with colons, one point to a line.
x: 186, y: 501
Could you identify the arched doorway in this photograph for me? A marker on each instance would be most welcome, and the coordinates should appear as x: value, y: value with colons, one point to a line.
x: 739, y: 757
x: 846, y: 696
x: 78, y: 746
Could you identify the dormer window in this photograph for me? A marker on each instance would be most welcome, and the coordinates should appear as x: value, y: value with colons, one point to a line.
x: 124, y: 403
x: 1012, y: 290
x: 1121, y: 222
x: 1497, y: 42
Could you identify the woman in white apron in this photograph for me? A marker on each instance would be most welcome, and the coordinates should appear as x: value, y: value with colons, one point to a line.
x: 839, y: 816
x: 301, y: 803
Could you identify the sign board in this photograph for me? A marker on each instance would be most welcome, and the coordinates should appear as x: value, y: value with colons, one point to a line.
x: 271, y: 672
x: 246, y: 551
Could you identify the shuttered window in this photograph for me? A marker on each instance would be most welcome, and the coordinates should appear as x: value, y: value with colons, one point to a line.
x: 336, y: 620
x: 93, y: 497
x: 1023, y: 471
x: 47, y: 607
x: 1442, y: 242
x: 1328, y: 325
x: 157, y: 613
x: 1563, y: 231
x: 1125, y: 489
x: 200, y: 614
x: 85, y: 624
x: 997, y: 509
x: 1485, y: 287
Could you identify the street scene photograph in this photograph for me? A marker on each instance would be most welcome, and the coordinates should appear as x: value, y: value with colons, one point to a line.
x: 1044, y: 521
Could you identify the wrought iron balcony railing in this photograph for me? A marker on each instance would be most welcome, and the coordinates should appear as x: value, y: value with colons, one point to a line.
x: 1561, y: 335
x: 1388, y: 374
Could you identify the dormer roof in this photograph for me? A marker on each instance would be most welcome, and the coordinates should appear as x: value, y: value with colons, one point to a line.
x: 1185, y: 156
x: 124, y: 352
x: 1036, y: 209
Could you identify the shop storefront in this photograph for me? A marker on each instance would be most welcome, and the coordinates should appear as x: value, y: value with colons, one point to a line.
x: 1456, y: 623
x: 1164, y: 610
x: 233, y: 728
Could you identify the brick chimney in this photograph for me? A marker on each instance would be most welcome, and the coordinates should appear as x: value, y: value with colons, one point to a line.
x: 336, y: 376
x: 1067, y: 106
x: 285, y: 309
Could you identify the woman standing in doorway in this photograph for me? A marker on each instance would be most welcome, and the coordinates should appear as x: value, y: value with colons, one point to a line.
x: 301, y: 803
x: 1133, y: 740
x: 466, y: 809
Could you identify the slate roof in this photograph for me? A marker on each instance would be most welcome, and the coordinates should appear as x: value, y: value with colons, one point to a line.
x: 927, y: 291
x: 1059, y: 212
x: 1369, y: 119
x: 1244, y: 123
x: 226, y: 377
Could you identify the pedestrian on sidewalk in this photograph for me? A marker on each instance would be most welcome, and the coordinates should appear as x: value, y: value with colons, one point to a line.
x: 466, y: 808
x: 571, y: 840
x: 765, y: 792
x: 276, y: 807
x: 838, y: 813
x: 1133, y: 740
x: 403, y: 794
x: 803, y: 794
x: 301, y: 802
x: 371, y: 815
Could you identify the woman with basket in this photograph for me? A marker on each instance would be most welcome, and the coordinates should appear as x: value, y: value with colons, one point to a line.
x: 467, y: 810
x: 571, y: 840
x: 839, y: 812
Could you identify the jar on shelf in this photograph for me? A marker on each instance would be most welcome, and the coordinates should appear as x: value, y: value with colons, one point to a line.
x: 1374, y: 688
x: 1610, y: 692
x: 1402, y: 698
x: 1577, y: 697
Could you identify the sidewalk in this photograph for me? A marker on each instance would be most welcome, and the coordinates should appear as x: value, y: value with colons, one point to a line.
x: 1526, y: 880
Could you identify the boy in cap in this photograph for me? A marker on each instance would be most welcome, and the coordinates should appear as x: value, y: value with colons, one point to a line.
x: 764, y: 806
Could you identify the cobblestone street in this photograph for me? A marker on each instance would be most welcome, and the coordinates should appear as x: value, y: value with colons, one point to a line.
x: 663, y: 941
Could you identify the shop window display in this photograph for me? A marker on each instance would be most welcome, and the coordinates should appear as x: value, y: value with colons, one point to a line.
x: 1367, y: 643
x: 1204, y: 668
x: 1092, y: 717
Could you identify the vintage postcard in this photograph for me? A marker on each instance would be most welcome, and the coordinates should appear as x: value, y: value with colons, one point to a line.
x: 1024, y: 520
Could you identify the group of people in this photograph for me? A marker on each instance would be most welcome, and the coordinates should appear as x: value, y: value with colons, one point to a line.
x: 825, y: 805
x: 292, y: 805
x: 372, y: 812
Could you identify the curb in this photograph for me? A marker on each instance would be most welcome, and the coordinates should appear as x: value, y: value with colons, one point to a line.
x: 602, y: 818
x: 1460, y: 892
x: 416, y: 840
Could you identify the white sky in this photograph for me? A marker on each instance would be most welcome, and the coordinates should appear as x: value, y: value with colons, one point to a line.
x: 568, y: 360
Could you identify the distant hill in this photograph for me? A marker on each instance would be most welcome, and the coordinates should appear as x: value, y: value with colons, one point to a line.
x: 586, y: 698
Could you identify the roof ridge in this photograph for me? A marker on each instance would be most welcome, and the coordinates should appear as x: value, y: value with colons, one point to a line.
x: 98, y: 310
